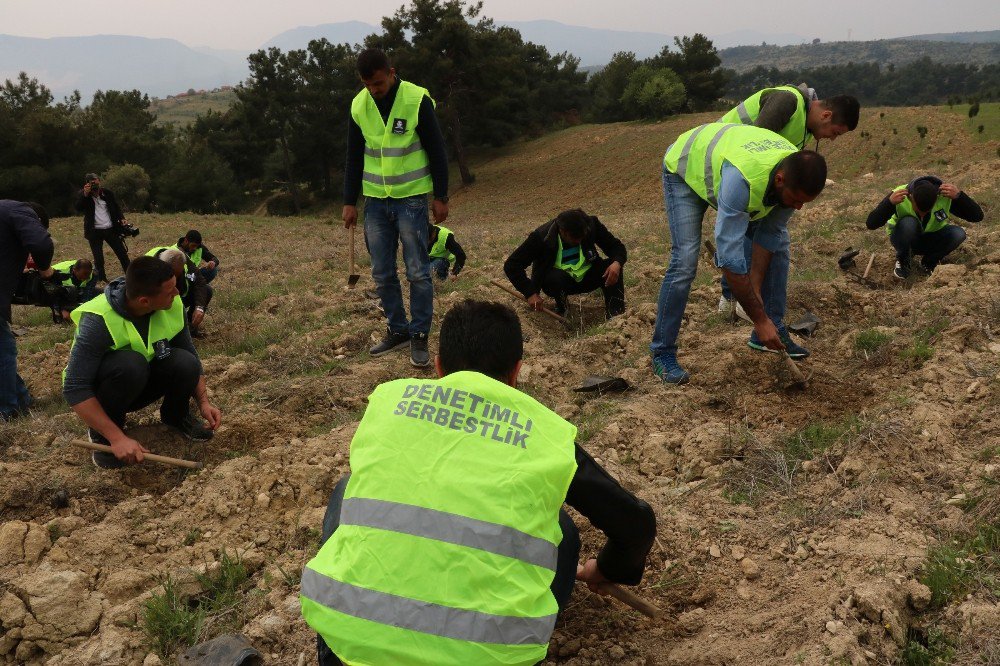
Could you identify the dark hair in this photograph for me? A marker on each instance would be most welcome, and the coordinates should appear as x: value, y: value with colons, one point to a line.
x: 83, y: 263
x: 480, y: 336
x: 43, y: 215
x: 574, y: 222
x: 925, y: 194
x: 193, y: 236
x: 145, y: 276
x: 90, y: 176
x: 846, y: 110
x: 805, y: 171
x: 371, y: 61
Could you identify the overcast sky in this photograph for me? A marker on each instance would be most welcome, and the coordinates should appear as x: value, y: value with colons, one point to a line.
x: 246, y: 24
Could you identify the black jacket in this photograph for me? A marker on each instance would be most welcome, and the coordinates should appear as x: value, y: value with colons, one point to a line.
x: 85, y: 205
x: 539, y: 251
x: 21, y: 233
x: 206, y: 254
x: 963, y: 207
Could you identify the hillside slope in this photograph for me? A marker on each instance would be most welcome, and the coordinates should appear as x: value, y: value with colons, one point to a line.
x: 792, y: 526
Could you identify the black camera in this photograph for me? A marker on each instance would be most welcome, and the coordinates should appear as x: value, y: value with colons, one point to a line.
x: 127, y: 229
x: 95, y: 189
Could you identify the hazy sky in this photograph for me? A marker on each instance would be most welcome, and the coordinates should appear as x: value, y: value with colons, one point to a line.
x: 246, y: 24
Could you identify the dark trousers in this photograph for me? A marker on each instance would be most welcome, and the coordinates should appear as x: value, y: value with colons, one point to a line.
x: 558, y: 284
x: 14, y: 397
x: 117, y: 245
x: 127, y: 383
x: 909, y: 238
x: 190, y: 307
x: 562, y: 585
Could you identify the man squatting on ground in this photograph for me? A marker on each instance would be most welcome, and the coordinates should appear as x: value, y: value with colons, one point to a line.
x: 445, y: 252
x: 916, y: 217
x: 564, y: 260
x: 207, y: 263
x: 395, y: 157
x: 756, y: 180
x: 102, y: 223
x: 799, y: 116
x: 194, y: 292
x: 448, y: 543
x: 131, y: 348
x: 23, y: 231
x: 77, y: 283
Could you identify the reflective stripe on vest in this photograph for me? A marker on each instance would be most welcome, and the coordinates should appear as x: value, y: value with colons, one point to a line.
x: 577, y: 270
x: 449, y: 531
x: 936, y: 221
x: 395, y: 163
x: 439, y: 250
x: 795, y: 130
x: 754, y: 151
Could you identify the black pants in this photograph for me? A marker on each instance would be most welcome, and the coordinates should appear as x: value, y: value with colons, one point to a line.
x: 190, y: 306
x: 127, y: 383
x: 117, y: 245
x: 558, y: 284
x: 909, y: 238
x: 562, y: 585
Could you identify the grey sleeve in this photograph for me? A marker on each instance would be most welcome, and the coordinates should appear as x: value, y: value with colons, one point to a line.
x: 91, y: 343
x: 776, y: 109
x: 183, y: 341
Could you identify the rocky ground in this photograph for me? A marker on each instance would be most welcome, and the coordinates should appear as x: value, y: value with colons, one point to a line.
x: 853, y: 522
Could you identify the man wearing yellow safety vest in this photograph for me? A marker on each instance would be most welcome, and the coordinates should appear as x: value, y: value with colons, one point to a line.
x: 131, y: 348
x: 445, y: 252
x: 755, y: 179
x: 448, y: 544
x: 798, y: 115
x: 192, y: 245
x: 194, y: 292
x: 564, y: 260
x: 916, y: 216
x: 77, y: 282
x: 396, y: 157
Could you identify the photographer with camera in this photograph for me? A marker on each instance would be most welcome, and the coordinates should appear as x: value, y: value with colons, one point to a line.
x: 103, y: 222
x: 132, y: 347
x: 23, y: 230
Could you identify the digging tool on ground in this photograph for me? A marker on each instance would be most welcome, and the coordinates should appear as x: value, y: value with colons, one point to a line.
x: 846, y: 264
x: 353, y: 278
x: 868, y: 268
x: 565, y: 322
x: 166, y: 460
x: 798, y: 379
x: 630, y: 598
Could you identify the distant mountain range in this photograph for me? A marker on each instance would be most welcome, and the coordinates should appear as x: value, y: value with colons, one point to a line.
x: 162, y: 67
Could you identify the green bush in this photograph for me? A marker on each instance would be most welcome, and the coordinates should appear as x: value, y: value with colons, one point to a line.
x: 871, y: 340
x: 654, y: 92
x: 199, y: 181
x: 130, y: 183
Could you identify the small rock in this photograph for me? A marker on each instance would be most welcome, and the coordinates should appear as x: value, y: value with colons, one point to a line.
x: 957, y: 499
x: 738, y: 553
x: 833, y: 627
x: 616, y: 652
x: 262, y: 501
x: 751, y: 571
x: 152, y: 660
x: 743, y: 592
x: 569, y: 648
x: 868, y: 175
x: 714, y: 550
x: 703, y: 595
x: 918, y: 594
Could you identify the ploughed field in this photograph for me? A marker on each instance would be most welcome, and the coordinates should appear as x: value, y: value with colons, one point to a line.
x: 854, y: 522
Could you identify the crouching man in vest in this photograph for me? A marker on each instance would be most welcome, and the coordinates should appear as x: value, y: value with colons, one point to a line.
x: 755, y: 179
x: 131, y: 348
x: 445, y: 252
x: 917, y: 215
x: 396, y: 157
x: 78, y: 284
x: 448, y: 543
x: 564, y: 260
x: 206, y: 262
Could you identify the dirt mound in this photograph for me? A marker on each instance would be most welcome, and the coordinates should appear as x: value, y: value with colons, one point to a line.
x: 793, y: 526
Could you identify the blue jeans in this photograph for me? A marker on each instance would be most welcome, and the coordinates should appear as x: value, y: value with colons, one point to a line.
x: 14, y: 395
x: 685, y: 211
x: 440, y: 267
x: 909, y: 237
x: 209, y: 273
x: 387, y: 222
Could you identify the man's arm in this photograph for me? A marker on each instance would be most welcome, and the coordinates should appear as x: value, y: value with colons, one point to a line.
x: 627, y: 521
x: 965, y: 207
x: 207, y: 256
x: 432, y: 140
x: 353, y: 168
x: 608, y: 242
x: 199, y: 288
x: 883, y: 211
x: 516, y: 266
x: 452, y: 246
x: 776, y: 110
x: 33, y: 237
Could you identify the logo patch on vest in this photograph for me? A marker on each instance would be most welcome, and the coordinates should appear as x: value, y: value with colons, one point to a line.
x: 940, y: 215
x: 399, y: 125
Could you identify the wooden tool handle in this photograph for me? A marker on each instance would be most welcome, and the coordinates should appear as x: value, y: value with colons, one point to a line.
x: 515, y: 294
x: 352, y: 249
x: 166, y: 460
x: 630, y: 598
x: 793, y: 368
x: 869, y: 267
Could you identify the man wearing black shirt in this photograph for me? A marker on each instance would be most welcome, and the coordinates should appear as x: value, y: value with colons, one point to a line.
x: 395, y: 157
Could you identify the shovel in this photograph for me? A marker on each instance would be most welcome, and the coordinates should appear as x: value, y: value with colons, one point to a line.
x: 165, y: 460
x: 353, y: 278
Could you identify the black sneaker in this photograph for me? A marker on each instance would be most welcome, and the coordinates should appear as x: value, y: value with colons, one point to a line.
x: 562, y: 305
x: 419, y: 356
x: 927, y: 266
x: 101, y: 459
x: 390, y: 342
x: 193, y: 428
x: 900, y: 271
